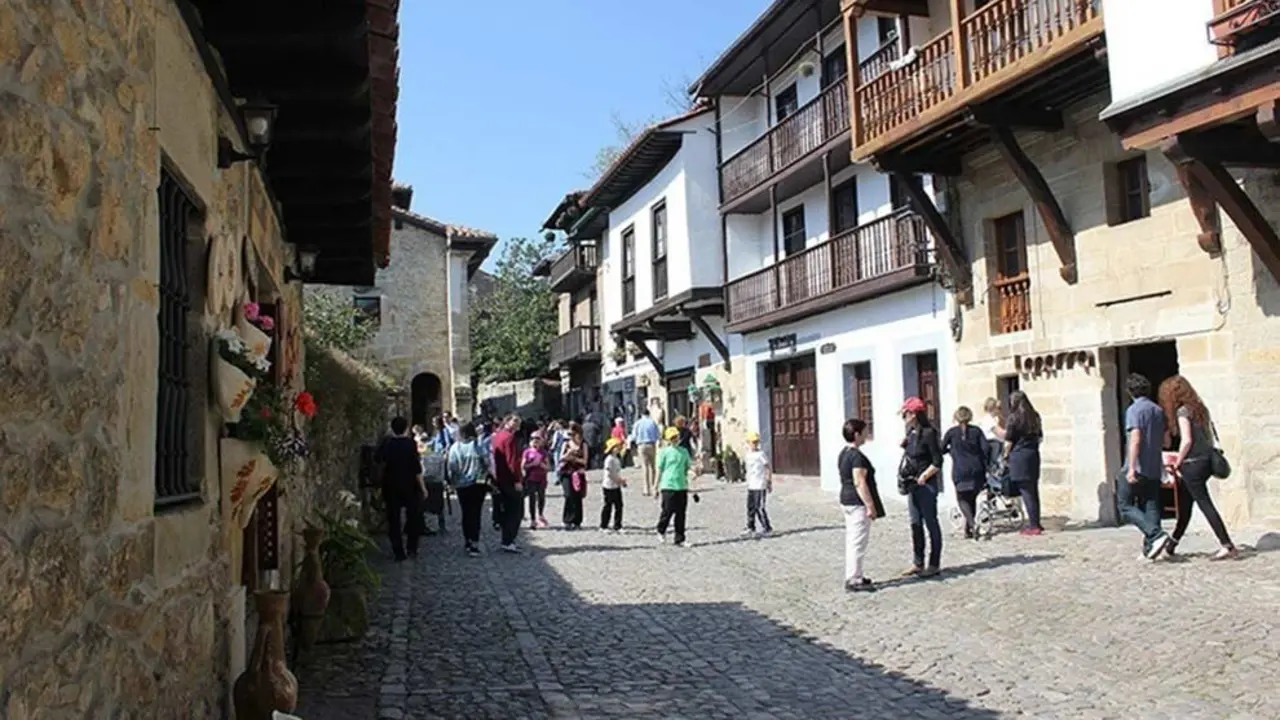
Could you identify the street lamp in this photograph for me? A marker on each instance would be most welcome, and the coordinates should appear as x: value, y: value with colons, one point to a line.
x: 306, y: 262
x: 259, y: 124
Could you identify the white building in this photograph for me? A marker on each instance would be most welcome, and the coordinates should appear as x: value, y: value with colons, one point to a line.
x: 831, y: 298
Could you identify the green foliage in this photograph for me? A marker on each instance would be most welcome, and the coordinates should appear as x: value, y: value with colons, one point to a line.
x: 335, y: 323
x: 513, y: 325
x: 344, y: 554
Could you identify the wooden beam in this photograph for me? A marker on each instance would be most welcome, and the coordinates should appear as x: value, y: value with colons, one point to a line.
x: 949, y: 249
x: 1268, y: 117
x: 854, y: 80
x: 958, y: 48
x: 1229, y: 145
x: 703, y: 327
x: 1013, y: 116
x: 1242, y: 210
x: 1055, y: 221
x: 944, y: 165
x: 919, y: 8
x: 648, y: 354
x: 1233, y: 107
x: 1203, y: 207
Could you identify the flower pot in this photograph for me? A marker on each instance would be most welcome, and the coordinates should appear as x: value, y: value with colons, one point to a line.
x: 312, y: 594
x: 248, y: 474
x: 266, y: 685
x: 257, y: 342
x: 233, y: 389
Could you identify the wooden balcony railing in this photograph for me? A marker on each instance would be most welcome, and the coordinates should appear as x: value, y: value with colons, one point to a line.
x: 807, y: 129
x: 574, y: 268
x: 1013, y: 303
x: 1234, y: 22
x: 580, y: 343
x: 878, y: 62
x: 883, y: 246
x: 994, y: 38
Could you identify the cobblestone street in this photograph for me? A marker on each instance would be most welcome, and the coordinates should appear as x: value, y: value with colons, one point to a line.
x: 1069, y: 625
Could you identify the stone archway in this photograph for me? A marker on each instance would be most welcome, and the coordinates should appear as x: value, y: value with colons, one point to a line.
x: 426, y: 401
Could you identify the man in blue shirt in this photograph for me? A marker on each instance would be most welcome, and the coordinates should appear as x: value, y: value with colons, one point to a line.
x: 645, y: 435
x: 1138, y: 487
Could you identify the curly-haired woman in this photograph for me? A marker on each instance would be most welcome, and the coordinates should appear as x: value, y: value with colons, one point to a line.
x: 1191, y: 467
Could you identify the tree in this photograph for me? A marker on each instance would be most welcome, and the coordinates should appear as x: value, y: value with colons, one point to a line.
x: 677, y: 101
x: 512, y: 326
x: 333, y: 322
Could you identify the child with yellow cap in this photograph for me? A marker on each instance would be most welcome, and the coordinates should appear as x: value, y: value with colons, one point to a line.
x: 759, y: 485
x: 613, y: 484
x: 674, y: 464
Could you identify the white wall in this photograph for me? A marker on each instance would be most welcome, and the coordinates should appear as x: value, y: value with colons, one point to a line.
x: 882, y: 331
x: 1151, y: 42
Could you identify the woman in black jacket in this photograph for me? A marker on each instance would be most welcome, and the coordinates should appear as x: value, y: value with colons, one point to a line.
x: 1022, y: 438
x: 920, y: 475
x: 967, y: 446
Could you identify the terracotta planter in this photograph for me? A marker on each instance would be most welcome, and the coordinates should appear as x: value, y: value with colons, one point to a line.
x: 247, y: 474
x: 266, y: 685
x: 233, y: 389
x: 312, y: 593
x: 257, y: 341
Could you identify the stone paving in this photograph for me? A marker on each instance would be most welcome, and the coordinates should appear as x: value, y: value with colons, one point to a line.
x: 592, y: 625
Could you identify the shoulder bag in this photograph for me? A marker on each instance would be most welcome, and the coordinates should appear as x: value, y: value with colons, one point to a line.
x: 1219, y: 467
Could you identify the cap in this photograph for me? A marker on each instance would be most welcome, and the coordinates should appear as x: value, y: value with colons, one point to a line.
x: 913, y: 405
x: 612, y: 444
x: 671, y: 433
x: 753, y: 437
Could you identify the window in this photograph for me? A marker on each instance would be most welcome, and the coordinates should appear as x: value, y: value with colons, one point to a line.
x: 886, y: 29
x: 628, y: 271
x: 1011, y: 283
x: 370, y: 309
x: 834, y: 66
x: 786, y: 103
x: 1130, y: 191
x: 861, y: 404
x: 659, y: 251
x: 896, y: 200
x: 179, y: 386
x: 927, y: 383
x: 844, y: 206
x: 793, y: 232
x: 1006, y: 385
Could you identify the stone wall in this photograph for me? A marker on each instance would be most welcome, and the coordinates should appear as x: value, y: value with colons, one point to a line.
x: 530, y: 398
x: 1141, y: 281
x: 110, y: 607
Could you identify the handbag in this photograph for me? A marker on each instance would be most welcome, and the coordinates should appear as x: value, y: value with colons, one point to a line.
x: 906, y: 475
x: 1219, y: 466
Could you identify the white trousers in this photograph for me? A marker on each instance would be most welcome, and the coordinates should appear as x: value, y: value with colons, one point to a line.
x: 857, y: 535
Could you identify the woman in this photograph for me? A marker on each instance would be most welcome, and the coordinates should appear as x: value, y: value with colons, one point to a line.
x: 1192, y: 467
x: 861, y: 503
x: 572, y: 473
x: 1022, y: 437
x: 921, y: 468
x: 967, y: 446
x: 468, y: 472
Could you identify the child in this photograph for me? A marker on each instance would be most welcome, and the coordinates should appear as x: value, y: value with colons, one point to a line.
x: 536, y: 464
x: 759, y: 485
x: 613, y: 484
x: 674, y: 463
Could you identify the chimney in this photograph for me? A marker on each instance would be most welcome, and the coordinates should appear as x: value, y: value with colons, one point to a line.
x: 401, y: 196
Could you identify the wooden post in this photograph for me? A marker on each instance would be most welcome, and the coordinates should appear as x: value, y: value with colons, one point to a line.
x: 854, y: 77
x: 957, y: 43
x: 777, y: 258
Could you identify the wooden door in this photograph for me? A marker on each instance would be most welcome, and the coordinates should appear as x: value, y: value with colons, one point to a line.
x: 793, y: 402
x: 678, y: 397
x: 927, y: 377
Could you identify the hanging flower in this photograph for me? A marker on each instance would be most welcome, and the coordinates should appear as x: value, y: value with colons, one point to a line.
x: 305, y: 404
x: 266, y: 323
x: 251, y: 311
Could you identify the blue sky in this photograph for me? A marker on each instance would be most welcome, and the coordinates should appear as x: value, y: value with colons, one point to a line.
x: 504, y: 103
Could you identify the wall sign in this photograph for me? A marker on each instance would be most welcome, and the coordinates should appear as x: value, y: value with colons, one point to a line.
x: 827, y: 348
x: 782, y: 342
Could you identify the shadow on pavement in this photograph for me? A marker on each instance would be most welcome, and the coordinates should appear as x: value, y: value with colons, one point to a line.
x: 959, y: 571
x: 774, y: 535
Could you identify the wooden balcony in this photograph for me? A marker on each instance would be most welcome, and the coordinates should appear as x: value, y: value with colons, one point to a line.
x: 1012, y: 312
x: 575, y: 269
x: 983, y: 56
x: 579, y: 345
x: 1239, y: 24
x: 882, y: 256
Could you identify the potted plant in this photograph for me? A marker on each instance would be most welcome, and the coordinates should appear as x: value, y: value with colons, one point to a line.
x: 344, y: 558
x: 253, y: 327
x: 731, y: 464
x: 235, y: 374
x: 618, y: 354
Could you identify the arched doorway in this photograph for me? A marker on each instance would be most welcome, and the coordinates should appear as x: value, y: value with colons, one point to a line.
x: 425, y: 402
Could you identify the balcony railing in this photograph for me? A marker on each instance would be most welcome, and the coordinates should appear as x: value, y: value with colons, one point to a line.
x: 997, y: 37
x: 575, y: 268
x: 580, y: 343
x: 1013, y: 303
x: 1234, y: 21
x: 878, y: 62
x: 881, y: 247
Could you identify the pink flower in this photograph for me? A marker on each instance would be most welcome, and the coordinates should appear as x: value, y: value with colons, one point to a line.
x: 266, y: 323
x: 251, y: 311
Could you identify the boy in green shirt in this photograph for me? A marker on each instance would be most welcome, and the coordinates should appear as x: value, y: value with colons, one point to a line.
x: 674, y: 463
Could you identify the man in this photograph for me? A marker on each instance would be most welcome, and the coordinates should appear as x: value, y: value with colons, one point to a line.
x: 1138, y: 488
x: 593, y: 435
x: 507, y: 480
x: 645, y: 436
x: 400, y: 468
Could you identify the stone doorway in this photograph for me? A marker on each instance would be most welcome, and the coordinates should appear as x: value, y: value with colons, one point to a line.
x: 1156, y: 361
x: 426, y: 401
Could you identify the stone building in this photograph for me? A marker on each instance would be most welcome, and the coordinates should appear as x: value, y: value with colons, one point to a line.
x: 421, y: 305
x: 134, y: 222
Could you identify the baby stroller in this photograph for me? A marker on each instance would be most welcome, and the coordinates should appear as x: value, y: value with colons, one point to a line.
x: 999, y: 502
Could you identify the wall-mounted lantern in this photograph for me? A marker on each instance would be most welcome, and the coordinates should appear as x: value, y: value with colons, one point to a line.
x: 305, y: 260
x: 259, y: 124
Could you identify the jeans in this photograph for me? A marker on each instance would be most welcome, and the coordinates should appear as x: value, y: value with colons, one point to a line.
x: 756, y: 510
x: 404, y: 517
x: 857, y: 536
x: 675, y: 503
x: 1193, y: 489
x: 1140, y: 506
x: 471, y: 506
x: 922, y: 507
x: 512, y: 502
x: 968, y: 502
x: 648, y: 458
x: 612, y: 508
x: 1030, y: 492
x: 537, y: 495
x: 572, y: 503
x: 496, y: 505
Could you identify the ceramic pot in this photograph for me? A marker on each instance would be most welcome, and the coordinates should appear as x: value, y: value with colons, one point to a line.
x: 266, y: 685
x: 248, y: 474
x: 233, y: 388
x: 312, y: 593
x: 255, y: 340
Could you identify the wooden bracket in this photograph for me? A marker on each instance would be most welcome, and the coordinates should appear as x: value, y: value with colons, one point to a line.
x: 1203, y: 207
x: 1228, y: 145
x: 1055, y: 221
x: 1012, y: 116
x: 1240, y: 207
x: 639, y: 341
x: 705, y: 328
x: 1269, y: 121
x: 950, y: 251
x: 946, y: 166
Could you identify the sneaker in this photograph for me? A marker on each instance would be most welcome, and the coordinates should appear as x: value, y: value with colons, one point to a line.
x: 912, y: 571
x: 748, y: 532
x: 1157, y: 546
x: 930, y: 572
x: 1226, y: 553
x: 473, y: 551
x: 533, y: 526
x: 542, y: 522
x: 662, y: 539
x: 862, y: 585
x: 1032, y: 532
x: 512, y: 548
x: 766, y: 533
x: 1171, y: 549
x: 682, y: 544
